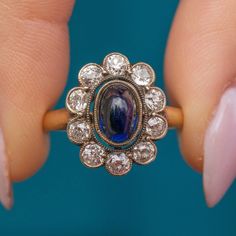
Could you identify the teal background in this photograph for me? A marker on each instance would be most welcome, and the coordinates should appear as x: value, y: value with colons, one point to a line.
x: 164, y: 198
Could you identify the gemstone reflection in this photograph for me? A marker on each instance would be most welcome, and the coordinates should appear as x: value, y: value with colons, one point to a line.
x: 118, y: 114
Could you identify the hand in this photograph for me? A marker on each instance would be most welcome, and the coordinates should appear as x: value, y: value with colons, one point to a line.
x: 200, y: 74
x: 34, y: 53
x: 200, y: 64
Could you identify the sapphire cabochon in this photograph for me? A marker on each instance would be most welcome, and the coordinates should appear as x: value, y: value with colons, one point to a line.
x: 118, y: 112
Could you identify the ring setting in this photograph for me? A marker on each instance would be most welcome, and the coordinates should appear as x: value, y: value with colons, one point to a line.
x: 116, y: 114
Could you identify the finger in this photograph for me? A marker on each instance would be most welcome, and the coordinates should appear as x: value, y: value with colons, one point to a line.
x: 200, y: 65
x: 34, y: 63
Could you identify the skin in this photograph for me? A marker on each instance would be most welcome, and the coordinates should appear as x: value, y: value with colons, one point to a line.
x: 34, y: 65
x: 200, y: 62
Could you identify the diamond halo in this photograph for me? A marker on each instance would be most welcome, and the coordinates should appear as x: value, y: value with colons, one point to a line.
x: 80, y: 102
x: 78, y: 131
x: 116, y: 64
x: 118, y: 164
x: 92, y: 155
x: 155, y: 99
x: 90, y: 75
x: 76, y: 101
x: 156, y: 127
x: 144, y: 152
x: 142, y: 74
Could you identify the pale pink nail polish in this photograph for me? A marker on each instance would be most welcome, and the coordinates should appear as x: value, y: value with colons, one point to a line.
x: 5, y: 184
x: 220, y: 149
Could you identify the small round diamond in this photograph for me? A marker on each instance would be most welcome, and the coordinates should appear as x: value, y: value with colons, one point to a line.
x: 143, y: 74
x: 116, y: 64
x: 92, y: 155
x: 78, y: 131
x: 76, y: 101
x: 156, y: 127
x: 155, y: 99
x: 144, y: 152
x: 90, y: 75
x: 118, y: 164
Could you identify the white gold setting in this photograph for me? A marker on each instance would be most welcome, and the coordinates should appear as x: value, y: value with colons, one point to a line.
x: 155, y: 99
x: 142, y: 74
x: 76, y: 101
x: 144, y: 152
x: 78, y: 131
x: 118, y: 163
x: 116, y: 64
x: 92, y: 155
x: 82, y: 103
x: 90, y: 75
x: 156, y: 127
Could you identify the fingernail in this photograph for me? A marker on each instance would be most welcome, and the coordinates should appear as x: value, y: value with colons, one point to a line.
x: 219, y: 169
x: 5, y: 184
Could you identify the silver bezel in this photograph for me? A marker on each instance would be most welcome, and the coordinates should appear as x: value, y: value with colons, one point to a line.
x: 73, y: 120
x: 81, y: 81
x: 149, y: 160
x: 153, y: 74
x: 69, y: 108
x: 165, y: 130
x: 164, y: 100
x: 86, y: 164
x: 104, y: 64
x: 124, y: 173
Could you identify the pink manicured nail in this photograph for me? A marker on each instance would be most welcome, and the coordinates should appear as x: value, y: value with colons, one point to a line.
x: 5, y: 184
x: 220, y: 149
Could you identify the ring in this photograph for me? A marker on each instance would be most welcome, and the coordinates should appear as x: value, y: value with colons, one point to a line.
x: 115, y: 115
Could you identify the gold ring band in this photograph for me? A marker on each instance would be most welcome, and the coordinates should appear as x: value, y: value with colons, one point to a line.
x: 58, y: 119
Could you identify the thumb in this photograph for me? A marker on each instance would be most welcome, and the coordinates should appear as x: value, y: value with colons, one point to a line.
x: 200, y: 70
x: 34, y: 63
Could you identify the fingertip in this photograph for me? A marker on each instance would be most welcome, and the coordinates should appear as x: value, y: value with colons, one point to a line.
x: 199, y: 64
x: 191, y: 138
x: 51, y: 11
x: 34, y: 68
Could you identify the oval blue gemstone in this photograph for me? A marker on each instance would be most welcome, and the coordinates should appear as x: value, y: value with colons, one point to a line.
x: 117, y: 115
